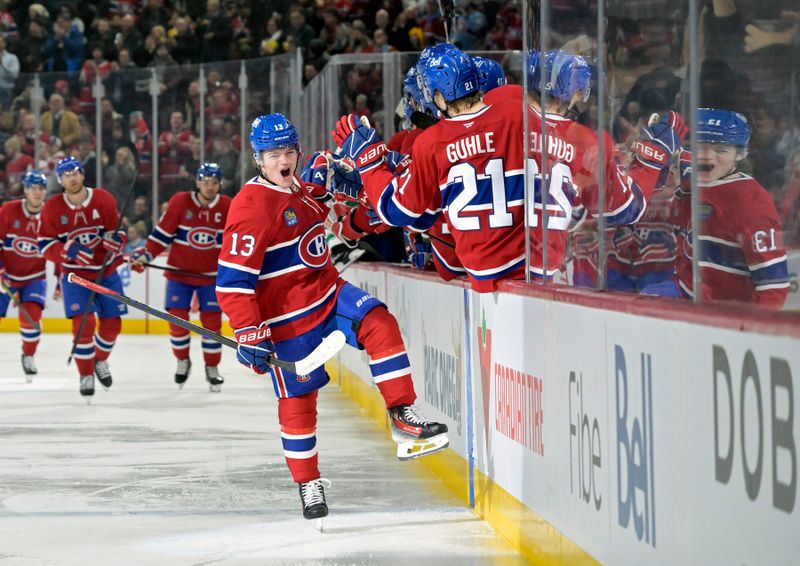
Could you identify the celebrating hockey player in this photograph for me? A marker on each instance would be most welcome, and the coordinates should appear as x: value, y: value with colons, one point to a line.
x: 193, y: 225
x: 80, y: 233
x: 277, y: 285
x: 741, y: 254
x: 22, y: 267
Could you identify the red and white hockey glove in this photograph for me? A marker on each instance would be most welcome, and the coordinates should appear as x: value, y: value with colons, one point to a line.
x: 660, y: 141
x: 114, y: 242
x: 254, y: 347
x: 363, y: 145
x: 75, y: 252
x: 138, y: 258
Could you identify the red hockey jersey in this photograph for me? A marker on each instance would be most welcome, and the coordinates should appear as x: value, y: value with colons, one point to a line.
x: 274, y: 266
x: 194, y: 231
x: 88, y: 223
x: 742, y: 257
x: 19, y: 232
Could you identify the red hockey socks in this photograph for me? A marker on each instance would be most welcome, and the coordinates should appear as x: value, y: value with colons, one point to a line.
x: 298, y: 419
x: 388, y: 362
x: 106, y: 336
x: 212, y: 351
x: 84, y: 350
x: 179, y: 337
x: 30, y: 335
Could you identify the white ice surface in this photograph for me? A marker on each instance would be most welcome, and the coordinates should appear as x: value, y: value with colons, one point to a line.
x: 152, y: 475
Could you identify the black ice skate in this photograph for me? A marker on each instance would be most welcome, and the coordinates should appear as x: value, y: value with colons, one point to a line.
x: 29, y: 367
x: 214, y: 379
x: 414, y: 434
x: 312, y: 496
x: 182, y: 372
x: 103, y: 373
x: 87, y: 387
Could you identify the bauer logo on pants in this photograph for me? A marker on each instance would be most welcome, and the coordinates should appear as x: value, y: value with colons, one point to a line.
x: 313, y: 248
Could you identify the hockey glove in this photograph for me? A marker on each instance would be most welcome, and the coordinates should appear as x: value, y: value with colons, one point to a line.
x: 316, y: 175
x: 364, y: 147
x: 254, y: 348
x: 114, y: 242
x: 418, y: 249
x: 138, y: 258
x: 346, y: 125
x: 397, y: 162
x: 76, y: 252
x: 346, y: 182
x: 660, y: 141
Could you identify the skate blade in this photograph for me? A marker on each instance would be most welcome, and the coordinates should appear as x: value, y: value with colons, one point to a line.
x: 29, y: 378
x: 319, y: 524
x: 214, y: 388
x: 180, y: 385
x: 88, y: 400
x: 419, y: 447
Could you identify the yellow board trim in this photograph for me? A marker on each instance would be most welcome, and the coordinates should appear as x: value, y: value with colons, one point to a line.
x: 129, y: 325
x: 529, y: 533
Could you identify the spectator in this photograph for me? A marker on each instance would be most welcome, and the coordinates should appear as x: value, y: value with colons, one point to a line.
x: 92, y: 68
x: 120, y: 175
x: 32, y: 49
x: 274, y: 42
x: 185, y: 41
x: 141, y: 213
x: 216, y: 32
x: 191, y: 106
x: 400, y: 33
x: 86, y: 153
x: 156, y: 36
x: 64, y: 49
x: 301, y: 33
x: 60, y: 122
x: 173, y: 149
x: 359, y: 42
x: 129, y: 38
x: 153, y: 14
x: 121, y: 82
x: 381, y: 42
x: 309, y: 72
x: 188, y: 168
x: 9, y: 71
x: 27, y: 134
x: 101, y: 34
x: 334, y: 35
x: 136, y: 233
x: 17, y: 163
x: 120, y: 137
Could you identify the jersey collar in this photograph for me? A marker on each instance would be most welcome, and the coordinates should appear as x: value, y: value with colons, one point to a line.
x: 84, y: 204
x: 212, y: 204
x: 259, y: 180
x: 469, y: 116
x: 28, y: 213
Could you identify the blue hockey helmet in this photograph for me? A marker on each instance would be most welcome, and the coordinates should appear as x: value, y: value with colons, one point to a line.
x: 413, y: 99
x: 450, y: 71
x: 209, y: 169
x: 34, y: 177
x: 490, y: 73
x: 565, y: 75
x: 722, y: 126
x: 272, y: 131
x: 66, y: 164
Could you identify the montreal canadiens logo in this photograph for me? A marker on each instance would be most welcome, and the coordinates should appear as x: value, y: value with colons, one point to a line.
x: 303, y: 378
x: 87, y: 236
x: 26, y: 247
x: 313, y: 247
x: 202, y: 238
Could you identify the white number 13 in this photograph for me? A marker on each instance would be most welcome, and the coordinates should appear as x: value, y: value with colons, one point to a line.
x: 248, y: 243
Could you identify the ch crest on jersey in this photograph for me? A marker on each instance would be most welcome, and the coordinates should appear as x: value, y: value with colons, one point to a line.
x: 313, y: 247
x: 202, y: 238
x: 290, y: 217
x: 26, y: 247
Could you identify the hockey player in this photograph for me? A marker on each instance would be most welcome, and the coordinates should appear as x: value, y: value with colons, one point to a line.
x: 277, y: 285
x: 490, y: 73
x: 192, y: 226
x: 80, y: 233
x: 741, y: 254
x: 23, y: 267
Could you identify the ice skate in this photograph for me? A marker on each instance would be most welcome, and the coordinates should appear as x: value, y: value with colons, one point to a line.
x: 103, y: 373
x: 87, y: 388
x: 29, y: 367
x: 182, y: 372
x: 214, y: 379
x: 415, y: 435
x: 312, y: 496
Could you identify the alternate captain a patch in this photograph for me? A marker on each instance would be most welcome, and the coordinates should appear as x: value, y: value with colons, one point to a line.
x: 290, y: 217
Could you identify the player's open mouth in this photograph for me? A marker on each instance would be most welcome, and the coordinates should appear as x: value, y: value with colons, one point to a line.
x: 704, y: 167
x: 286, y: 173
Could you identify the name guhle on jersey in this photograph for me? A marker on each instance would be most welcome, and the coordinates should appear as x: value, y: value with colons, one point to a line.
x: 469, y: 146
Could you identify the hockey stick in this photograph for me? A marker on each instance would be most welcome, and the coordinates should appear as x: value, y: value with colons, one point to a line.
x: 179, y: 271
x: 329, y: 347
x: 15, y: 298
x: 109, y: 257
